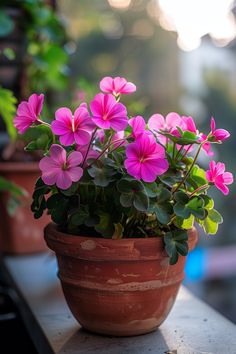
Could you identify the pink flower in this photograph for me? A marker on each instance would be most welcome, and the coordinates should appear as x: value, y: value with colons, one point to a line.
x: 219, y: 177
x: 207, y: 146
x: 115, y: 139
x: 218, y: 134
x: 145, y: 159
x: 138, y: 125
x: 28, y: 112
x: 59, y: 170
x: 116, y: 86
x: 92, y: 154
x: 188, y: 124
x: 73, y: 129
x: 107, y: 113
x: 168, y: 125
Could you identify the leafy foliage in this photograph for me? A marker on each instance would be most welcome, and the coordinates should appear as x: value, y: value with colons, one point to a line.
x: 7, y: 110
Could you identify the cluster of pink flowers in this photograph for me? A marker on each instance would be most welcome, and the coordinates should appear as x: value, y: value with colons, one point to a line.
x: 146, y: 156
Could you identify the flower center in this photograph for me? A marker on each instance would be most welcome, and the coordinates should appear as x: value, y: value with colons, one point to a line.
x: 73, y: 124
x: 142, y: 159
x: 64, y: 166
x: 104, y: 117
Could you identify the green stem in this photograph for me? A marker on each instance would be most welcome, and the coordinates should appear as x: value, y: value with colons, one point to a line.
x: 179, y: 152
x: 89, y: 145
x: 190, y: 169
x: 174, y: 146
x: 105, y: 149
x: 199, y: 189
x: 44, y: 123
x: 186, y: 151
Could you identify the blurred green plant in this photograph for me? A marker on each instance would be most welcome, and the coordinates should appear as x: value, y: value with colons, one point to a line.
x: 46, y: 57
x: 15, y: 193
x: 7, y: 111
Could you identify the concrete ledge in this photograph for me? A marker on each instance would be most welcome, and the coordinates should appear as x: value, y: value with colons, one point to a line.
x: 191, y: 328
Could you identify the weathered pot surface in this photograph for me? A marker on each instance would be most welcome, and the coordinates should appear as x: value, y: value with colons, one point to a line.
x: 21, y: 233
x: 117, y: 287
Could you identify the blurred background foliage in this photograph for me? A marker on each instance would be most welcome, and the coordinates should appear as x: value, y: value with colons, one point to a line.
x: 63, y: 48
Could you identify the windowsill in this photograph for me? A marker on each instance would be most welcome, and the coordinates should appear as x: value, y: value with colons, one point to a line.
x: 191, y: 328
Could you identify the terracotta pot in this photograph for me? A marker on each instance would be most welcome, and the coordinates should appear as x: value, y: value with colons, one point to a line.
x: 117, y: 287
x: 21, y: 233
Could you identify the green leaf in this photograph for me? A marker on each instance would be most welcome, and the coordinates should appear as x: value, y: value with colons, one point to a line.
x: 210, y: 224
x: 186, y: 224
x: 102, y: 175
x: 133, y: 193
x: 126, y: 185
x: 176, y: 244
x: 151, y: 189
x: 118, y: 233
x: 79, y: 217
x: 6, y: 24
x: 105, y: 226
x: 141, y: 201
x: 209, y: 202
x: 126, y: 200
x: 8, y: 109
x: 72, y: 190
x: 215, y: 216
x: 197, y: 177
x: 11, y: 187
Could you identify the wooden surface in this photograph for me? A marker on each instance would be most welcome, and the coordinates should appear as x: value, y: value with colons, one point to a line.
x: 191, y: 328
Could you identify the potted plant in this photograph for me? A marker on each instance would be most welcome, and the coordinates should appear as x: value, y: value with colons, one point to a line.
x: 19, y: 233
x: 123, y: 196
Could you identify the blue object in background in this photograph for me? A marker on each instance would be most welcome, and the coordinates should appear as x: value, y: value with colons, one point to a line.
x: 195, y: 268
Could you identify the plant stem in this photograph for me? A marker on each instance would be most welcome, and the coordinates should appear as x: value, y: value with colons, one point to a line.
x: 198, y: 189
x: 178, y: 153
x: 174, y: 146
x: 44, y: 123
x: 89, y: 145
x: 190, y: 169
x: 186, y: 151
x: 105, y: 149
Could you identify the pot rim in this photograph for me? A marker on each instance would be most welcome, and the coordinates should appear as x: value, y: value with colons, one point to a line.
x: 98, y: 248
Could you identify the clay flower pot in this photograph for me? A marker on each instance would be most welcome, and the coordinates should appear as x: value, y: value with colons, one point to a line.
x: 117, y: 287
x: 21, y: 233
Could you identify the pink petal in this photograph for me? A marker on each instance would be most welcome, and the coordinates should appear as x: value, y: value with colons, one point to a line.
x: 152, y: 168
x: 75, y: 173
x: 106, y: 84
x: 156, y: 122
x: 24, y: 110
x: 119, y: 83
x: 209, y: 176
x: 82, y: 137
x: 63, y: 180
x: 60, y: 128
x: 119, y: 123
x: 22, y: 123
x: 36, y: 103
x: 228, y: 178
x: 133, y: 167
x: 129, y: 88
x: 74, y: 159
x: 101, y: 123
x: 58, y: 154
x: 222, y: 187
x: 173, y: 120
x: 132, y: 151
x: 49, y: 177
x: 221, y: 134
x: 47, y: 163
x: 67, y: 139
x: 213, y: 124
x: 220, y: 168
x: 138, y: 125
x: 64, y: 115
